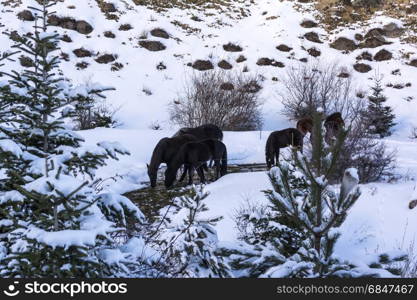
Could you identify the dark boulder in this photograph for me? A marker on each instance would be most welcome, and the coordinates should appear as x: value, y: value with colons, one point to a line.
x: 152, y: 45
x: 362, y: 68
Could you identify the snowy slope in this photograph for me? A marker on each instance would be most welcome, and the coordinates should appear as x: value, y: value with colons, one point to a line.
x: 269, y: 24
x: 379, y: 221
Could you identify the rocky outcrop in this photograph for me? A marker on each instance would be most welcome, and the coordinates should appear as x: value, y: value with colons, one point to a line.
x: 383, y: 55
x: 224, y: 64
x: 313, y: 37
x: 230, y: 47
x: 202, y: 65
x: 106, y: 58
x: 308, y: 24
x: 159, y: 32
x: 81, y: 52
x: 265, y: 61
x: 152, y: 45
x: 26, y: 15
x: 362, y: 68
x: 344, y: 44
x: 314, y: 52
x: 69, y: 23
x: 284, y: 48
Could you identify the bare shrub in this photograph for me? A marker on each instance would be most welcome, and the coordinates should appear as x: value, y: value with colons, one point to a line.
x: 229, y: 100
x: 312, y: 87
x: 369, y: 156
x: 309, y: 87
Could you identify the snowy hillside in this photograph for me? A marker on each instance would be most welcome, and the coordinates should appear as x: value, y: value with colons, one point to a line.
x: 147, y: 54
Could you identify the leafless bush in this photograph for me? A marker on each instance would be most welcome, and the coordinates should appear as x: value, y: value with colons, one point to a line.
x: 368, y: 155
x: 409, y: 268
x: 229, y: 100
x: 309, y: 87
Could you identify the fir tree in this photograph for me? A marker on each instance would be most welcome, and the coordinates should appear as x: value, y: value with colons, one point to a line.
x: 380, y: 118
x: 187, y: 243
x: 309, y: 211
x: 53, y: 223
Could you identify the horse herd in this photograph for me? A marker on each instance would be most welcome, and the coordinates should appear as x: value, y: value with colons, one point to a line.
x: 195, y: 149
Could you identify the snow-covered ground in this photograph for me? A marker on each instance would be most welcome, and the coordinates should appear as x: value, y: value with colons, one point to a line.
x: 379, y: 221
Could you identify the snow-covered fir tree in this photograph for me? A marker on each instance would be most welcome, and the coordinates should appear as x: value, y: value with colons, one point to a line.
x: 186, y: 242
x: 52, y: 221
x: 297, y: 234
x: 380, y: 118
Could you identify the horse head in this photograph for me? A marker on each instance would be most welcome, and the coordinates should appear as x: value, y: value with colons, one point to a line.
x: 153, y: 175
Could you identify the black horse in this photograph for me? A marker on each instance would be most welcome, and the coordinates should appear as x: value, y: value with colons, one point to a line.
x: 281, y: 139
x: 194, y: 156
x: 164, y: 152
x: 203, y: 132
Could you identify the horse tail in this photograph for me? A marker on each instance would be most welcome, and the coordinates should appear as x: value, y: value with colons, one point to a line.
x: 269, y: 152
x: 223, y: 167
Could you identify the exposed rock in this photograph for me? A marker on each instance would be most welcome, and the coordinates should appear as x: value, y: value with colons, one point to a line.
x: 412, y: 9
x: 161, y: 66
x: 82, y: 65
x: 107, y: 7
x: 359, y: 37
x: 374, y: 42
x: 202, y: 65
x: 159, y: 32
x: 152, y: 45
x: 278, y: 64
x: 374, y: 32
x: 365, y: 55
x: 313, y: 37
x: 383, y: 55
x: 66, y: 38
x: 232, y: 48
x: 26, y: 15
x: 81, y: 52
x: 304, y: 59
x: 71, y: 24
x: 116, y: 66
x: 225, y: 65
x: 344, y: 75
x: 251, y: 87
x: 125, y: 27
x: 413, y: 63
x: 344, y: 44
x: 240, y: 59
x: 308, y: 24
x: 362, y: 68
x: 314, y: 52
x: 109, y: 34
x: 392, y: 30
x: 227, y: 86
x: 264, y: 61
x: 106, y: 58
x: 284, y: 48
x: 412, y: 204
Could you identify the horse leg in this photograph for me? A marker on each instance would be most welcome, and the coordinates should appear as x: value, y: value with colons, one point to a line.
x: 184, y: 173
x: 277, y: 155
x: 190, y: 174
x: 200, y: 173
x: 217, y: 163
